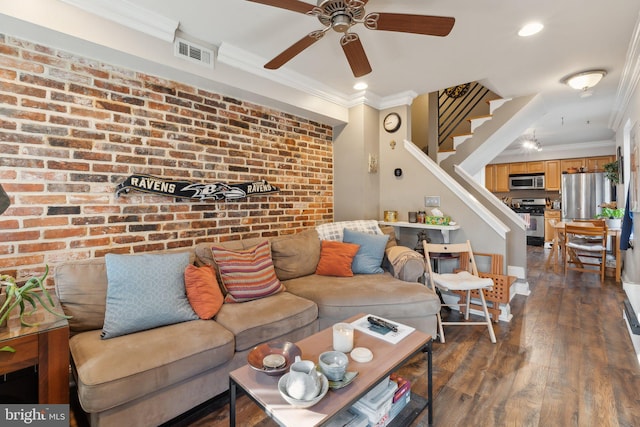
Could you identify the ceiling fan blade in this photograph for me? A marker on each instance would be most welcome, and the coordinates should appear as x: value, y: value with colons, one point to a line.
x: 294, y: 5
x: 405, y: 23
x: 353, y: 50
x: 293, y: 50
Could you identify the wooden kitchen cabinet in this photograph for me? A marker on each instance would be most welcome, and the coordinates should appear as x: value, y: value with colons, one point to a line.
x: 548, y: 228
x: 596, y: 164
x: 552, y: 175
x: 566, y: 164
x: 535, y: 167
x: 515, y: 168
x: 490, y: 177
x: 502, y: 177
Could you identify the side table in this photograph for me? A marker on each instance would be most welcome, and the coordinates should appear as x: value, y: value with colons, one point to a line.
x: 45, y: 345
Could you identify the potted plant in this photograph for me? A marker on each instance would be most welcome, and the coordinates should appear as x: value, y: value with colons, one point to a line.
x: 31, y: 292
x: 612, y: 215
x: 611, y: 172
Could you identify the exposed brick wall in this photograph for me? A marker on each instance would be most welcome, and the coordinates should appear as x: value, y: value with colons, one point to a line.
x: 72, y: 128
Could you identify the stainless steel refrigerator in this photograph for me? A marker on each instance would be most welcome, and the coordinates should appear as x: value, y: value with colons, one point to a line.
x: 583, y: 193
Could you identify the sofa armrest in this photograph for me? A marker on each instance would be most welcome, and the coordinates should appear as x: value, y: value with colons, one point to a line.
x: 404, y: 263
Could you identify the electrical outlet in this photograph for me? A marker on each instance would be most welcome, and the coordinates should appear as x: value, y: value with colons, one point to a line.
x: 431, y: 201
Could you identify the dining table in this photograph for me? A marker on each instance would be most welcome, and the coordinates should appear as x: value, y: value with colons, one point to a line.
x: 558, y: 229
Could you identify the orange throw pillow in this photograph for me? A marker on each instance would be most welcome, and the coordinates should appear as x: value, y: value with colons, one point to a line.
x: 203, y: 291
x: 336, y: 258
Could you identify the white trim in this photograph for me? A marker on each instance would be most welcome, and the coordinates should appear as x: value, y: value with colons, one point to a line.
x: 130, y: 15
x: 483, y: 213
x: 628, y: 80
x: 504, y: 209
x: 254, y: 64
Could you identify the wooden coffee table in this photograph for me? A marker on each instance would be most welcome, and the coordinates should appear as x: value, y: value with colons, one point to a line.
x: 263, y: 389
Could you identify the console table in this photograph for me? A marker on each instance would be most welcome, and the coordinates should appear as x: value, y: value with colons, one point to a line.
x: 444, y: 229
x: 45, y: 345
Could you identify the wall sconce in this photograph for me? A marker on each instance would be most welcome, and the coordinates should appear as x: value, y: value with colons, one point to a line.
x: 584, y: 80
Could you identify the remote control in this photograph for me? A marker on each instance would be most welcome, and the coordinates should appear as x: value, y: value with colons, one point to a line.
x: 382, y: 323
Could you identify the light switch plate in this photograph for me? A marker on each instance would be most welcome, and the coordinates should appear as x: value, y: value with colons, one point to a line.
x: 431, y: 201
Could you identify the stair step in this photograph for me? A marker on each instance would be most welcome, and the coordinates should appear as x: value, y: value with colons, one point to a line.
x: 494, y: 104
x: 445, y: 154
x: 459, y: 139
x: 478, y: 120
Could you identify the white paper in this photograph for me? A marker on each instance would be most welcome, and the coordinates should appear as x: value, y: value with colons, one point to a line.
x: 392, y: 337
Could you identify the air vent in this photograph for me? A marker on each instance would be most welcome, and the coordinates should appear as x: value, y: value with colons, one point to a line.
x: 194, y: 53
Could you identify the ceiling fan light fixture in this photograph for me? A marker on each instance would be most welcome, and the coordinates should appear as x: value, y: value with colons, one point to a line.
x: 584, y: 80
x: 530, y: 29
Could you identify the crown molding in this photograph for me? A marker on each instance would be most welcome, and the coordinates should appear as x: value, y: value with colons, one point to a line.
x: 629, y: 79
x: 239, y: 58
x: 130, y: 15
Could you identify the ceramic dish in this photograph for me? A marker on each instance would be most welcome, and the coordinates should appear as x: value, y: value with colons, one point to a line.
x: 349, y: 376
x: 282, y: 383
x: 286, y: 349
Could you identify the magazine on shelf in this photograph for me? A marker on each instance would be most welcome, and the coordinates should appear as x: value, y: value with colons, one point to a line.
x: 393, y: 337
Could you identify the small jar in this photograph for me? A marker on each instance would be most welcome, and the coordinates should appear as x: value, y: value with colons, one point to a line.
x: 413, y: 216
x: 422, y: 217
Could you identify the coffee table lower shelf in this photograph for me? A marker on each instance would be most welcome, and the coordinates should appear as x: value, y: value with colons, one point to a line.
x: 262, y: 389
x: 414, y: 408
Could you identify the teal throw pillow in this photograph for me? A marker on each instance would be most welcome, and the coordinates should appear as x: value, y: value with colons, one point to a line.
x: 368, y: 259
x: 145, y: 291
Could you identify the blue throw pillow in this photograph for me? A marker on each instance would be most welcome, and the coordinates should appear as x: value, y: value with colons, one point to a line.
x: 145, y: 291
x: 368, y: 260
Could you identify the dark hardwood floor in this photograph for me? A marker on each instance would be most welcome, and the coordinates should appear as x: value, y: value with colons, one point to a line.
x: 564, y: 360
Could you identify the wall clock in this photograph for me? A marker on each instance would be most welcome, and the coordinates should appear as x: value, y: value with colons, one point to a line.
x: 392, y: 122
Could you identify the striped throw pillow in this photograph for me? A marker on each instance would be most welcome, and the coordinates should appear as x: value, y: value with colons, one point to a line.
x: 247, y: 274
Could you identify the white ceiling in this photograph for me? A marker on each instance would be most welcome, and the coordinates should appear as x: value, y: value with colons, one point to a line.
x: 483, y: 46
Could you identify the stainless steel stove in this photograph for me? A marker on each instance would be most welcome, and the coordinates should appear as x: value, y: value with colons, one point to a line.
x: 532, y: 211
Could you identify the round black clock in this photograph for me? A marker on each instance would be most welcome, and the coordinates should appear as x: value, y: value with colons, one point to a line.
x: 392, y: 122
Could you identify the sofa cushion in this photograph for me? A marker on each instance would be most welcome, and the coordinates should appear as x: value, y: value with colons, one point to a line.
x: 295, y: 255
x: 203, y: 291
x: 336, y: 258
x: 379, y: 294
x: 334, y: 230
x: 368, y: 259
x: 81, y: 287
x: 115, y: 371
x: 265, y: 319
x: 247, y: 274
x: 145, y: 291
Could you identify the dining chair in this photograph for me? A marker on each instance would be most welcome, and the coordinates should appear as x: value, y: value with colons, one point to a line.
x: 460, y: 280
x: 585, y: 248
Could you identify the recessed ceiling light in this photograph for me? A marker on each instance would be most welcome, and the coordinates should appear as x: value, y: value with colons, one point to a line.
x: 530, y: 29
x: 360, y: 86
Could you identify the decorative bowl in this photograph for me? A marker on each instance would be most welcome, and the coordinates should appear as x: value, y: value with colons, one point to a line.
x: 333, y: 364
x: 261, y: 358
x: 282, y: 388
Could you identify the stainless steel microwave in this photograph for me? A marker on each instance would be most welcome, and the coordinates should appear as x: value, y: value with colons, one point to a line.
x: 526, y: 182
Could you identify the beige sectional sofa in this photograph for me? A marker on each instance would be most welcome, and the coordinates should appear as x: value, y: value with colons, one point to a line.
x: 152, y: 376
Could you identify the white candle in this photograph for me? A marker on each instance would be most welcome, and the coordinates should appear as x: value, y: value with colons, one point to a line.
x: 343, y: 337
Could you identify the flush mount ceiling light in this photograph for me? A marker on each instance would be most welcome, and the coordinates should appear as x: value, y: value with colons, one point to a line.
x: 360, y: 86
x: 530, y: 29
x: 584, y: 80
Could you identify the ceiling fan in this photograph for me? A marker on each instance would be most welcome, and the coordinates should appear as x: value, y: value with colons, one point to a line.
x: 341, y: 15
